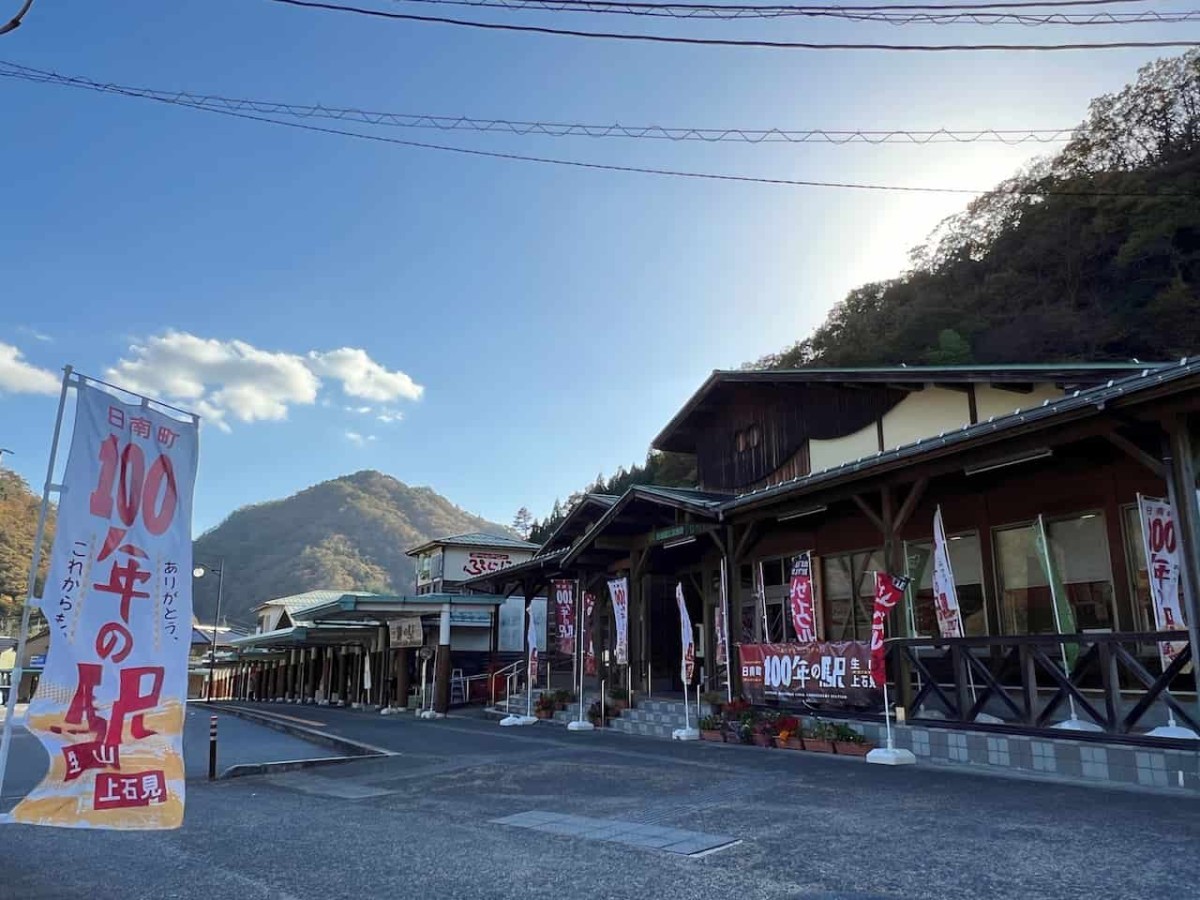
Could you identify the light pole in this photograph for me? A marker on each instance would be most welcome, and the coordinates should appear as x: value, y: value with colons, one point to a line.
x: 199, y: 572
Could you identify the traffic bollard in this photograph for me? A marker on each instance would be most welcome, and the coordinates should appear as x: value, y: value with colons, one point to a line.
x: 212, y: 747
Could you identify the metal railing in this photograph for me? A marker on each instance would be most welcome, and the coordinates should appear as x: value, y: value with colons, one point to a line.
x: 509, y: 672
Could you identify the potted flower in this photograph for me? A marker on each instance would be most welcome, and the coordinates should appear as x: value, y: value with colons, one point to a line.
x: 763, y: 734
x: 849, y: 742
x: 595, y: 716
x: 788, y: 736
x: 562, y: 699
x: 710, y: 729
x: 819, y: 738
x: 545, y: 706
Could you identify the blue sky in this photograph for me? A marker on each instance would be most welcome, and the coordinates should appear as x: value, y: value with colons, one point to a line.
x: 501, y: 331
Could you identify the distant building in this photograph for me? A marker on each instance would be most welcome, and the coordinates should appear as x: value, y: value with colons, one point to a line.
x: 445, y: 563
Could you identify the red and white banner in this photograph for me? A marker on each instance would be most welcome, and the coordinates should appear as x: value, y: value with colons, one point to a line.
x: 589, y: 647
x: 800, y: 596
x: 1162, y: 571
x: 687, y: 656
x: 531, y: 638
x: 832, y: 674
x: 564, y: 606
x: 109, y: 708
x: 888, y: 591
x: 945, y: 595
x: 618, y: 588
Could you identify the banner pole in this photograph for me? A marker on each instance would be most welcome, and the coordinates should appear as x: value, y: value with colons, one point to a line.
x: 725, y: 628
x: 18, y: 671
x: 887, y: 716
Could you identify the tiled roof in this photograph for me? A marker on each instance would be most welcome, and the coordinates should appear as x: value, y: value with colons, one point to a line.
x: 475, y: 539
x: 298, y: 602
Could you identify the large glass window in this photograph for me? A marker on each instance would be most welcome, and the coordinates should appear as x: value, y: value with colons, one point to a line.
x: 1079, y: 547
x: 966, y: 559
x: 776, y: 576
x: 849, y: 593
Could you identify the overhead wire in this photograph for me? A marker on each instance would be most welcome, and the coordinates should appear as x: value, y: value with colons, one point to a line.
x: 949, y: 15
x: 520, y: 127
x: 726, y: 42
x: 184, y: 101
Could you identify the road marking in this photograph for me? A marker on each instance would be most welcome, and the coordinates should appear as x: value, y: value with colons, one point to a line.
x: 276, y: 715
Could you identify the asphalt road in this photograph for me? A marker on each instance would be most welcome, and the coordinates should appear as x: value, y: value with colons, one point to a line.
x: 238, y: 741
x: 421, y: 822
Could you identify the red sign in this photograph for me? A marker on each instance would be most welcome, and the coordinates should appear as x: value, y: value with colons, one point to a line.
x: 589, y: 647
x: 800, y: 594
x: 481, y: 563
x: 827, y: 672
x: 564, y: 605
x: 888, y: 591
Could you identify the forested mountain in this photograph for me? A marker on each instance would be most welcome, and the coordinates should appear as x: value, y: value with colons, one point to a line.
x: 348, y: 533
x: 1091, y: 254
x: 18, y: 527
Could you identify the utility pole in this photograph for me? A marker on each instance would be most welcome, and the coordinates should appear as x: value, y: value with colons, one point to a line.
x: 15, y: 21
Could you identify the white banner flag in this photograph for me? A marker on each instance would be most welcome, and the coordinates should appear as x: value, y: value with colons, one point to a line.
x: 532, y: 638
x: 618, y: 589
x: 687, y: 661
x: 110, y: 705
x: 1162, y: 571
x: 945, y: 595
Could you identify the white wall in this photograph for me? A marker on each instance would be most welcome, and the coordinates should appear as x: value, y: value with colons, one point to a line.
x: 826, y: 454
x: 925, y: 414
x: 990, y: 401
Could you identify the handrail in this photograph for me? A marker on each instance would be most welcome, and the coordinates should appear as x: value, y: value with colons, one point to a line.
x: 514, y: 666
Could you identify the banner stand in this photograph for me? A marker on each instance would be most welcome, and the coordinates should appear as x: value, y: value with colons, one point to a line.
x: 18, y: 671
x: 580, y: 724
x: 890, y: 755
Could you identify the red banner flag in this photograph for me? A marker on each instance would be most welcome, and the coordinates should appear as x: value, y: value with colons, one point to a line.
x: 800, y: 593
x: 564, y: 605
x: 888, y: 591
x: 589, y: 647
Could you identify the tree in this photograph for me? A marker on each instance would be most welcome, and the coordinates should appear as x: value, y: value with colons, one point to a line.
x: 523, y: 522
x: 19, y: 508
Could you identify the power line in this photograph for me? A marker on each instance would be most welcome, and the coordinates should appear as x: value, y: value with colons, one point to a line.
x: 949, y: 15
x: 551, y: 129
x: 183, y: 100
x: 724, y: 42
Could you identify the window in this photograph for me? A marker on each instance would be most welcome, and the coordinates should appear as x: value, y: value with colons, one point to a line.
x: 1079, y: 547
x: 748, y: 438
x: 966, y: 559
x: 777, y: 580
x: 849, y: 594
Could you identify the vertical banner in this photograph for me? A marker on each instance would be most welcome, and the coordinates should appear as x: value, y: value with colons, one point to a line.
x: 531, y: 637
x: 1064, y: 615
x: 589, y: 646
x: 888, y: 591
x: 723, y: 620
x: 945, y: 595
x: 687, y: 656
x: 618, y: 588
x: 800, y: 597
x: 564, y: 606
x: 110, y: 705
x: 1162, y: 571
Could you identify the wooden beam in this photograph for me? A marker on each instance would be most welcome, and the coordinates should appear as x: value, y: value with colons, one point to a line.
x: 869, y: 512
x: 744, y: 543
x: 910, y: 503
x: 716, y: 536
x: 1129, y: 447
x: 1015, y: 388
x: 612, y: 543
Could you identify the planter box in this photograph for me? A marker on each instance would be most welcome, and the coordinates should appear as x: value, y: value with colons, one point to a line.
x: 716, y: 736
x: 792, y: 743
x: 845, y: 749
x: 764, y: 740
x: 813, y: 745
x: 543, y: 714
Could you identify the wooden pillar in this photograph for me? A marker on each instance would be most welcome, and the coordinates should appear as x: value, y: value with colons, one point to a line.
x: 441, y: 682
x: 403, y: 682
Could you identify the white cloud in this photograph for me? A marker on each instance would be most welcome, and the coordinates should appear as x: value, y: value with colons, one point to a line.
x: 35, y: 334
x: 218, y: 378
x: 362, y: 377
x: 359, y: 440
x: 21, y: 377
x: 388, y: 416
x: 224, y: 380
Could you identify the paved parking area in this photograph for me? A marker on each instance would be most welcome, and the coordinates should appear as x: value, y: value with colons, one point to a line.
x: 431, y: 820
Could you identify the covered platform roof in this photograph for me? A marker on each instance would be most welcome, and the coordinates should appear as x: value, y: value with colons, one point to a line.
x: 376, y: 608
x: 304, y: 636
x: 476, y: 539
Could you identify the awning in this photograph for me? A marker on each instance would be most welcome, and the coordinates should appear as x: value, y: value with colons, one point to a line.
x: 307, y: 636
x: 381, y: 608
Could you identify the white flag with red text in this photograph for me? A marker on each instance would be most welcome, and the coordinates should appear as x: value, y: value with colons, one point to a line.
x: 1162, y: 571
x: 687, y: 661
x: 109, y: 707
x: 945, y: 595
x: 618, y: 589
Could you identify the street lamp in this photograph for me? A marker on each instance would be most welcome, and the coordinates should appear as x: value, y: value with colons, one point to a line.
x: 199, y: 572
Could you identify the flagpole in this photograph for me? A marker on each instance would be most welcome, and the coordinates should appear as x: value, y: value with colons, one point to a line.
x: 18, y: 671
x: 1062, y: 648
x: 762, y: 598
x: 725, y: 628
